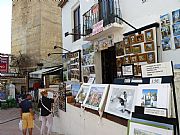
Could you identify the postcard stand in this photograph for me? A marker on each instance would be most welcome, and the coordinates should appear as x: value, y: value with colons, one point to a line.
x: 166, y: 77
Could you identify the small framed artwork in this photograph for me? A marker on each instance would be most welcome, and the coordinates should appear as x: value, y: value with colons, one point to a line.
x: 149, y: 46
x: 140, y: 38
x: 150, y: 57
x: 126, y: 41
x: 119, y: 61
x: 135, y: 69
x: 149, y: 35
x: 134, y: 58
x: 176, y: 29
x: 136, y: 49
x: 139, y: 69
x: 127, y: 59
x: 132, y: 39
x: 119, y: 48
x: 128, y: 50
x: 165, y: 20
x: 127, y: 70
x: 142, y: 57
x: 177, y: 41
x: 176, y: 16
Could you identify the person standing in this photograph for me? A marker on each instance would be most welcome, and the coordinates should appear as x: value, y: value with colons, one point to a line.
x: 45, y: 104
x: 27, y: 115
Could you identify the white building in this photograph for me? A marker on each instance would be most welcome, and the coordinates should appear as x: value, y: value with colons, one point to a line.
x: 79, y: 16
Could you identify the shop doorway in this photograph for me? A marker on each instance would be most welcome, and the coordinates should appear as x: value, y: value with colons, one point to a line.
x: 109, y: 71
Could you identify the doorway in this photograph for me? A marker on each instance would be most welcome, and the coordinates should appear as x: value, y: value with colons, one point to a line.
x: 109, y: 71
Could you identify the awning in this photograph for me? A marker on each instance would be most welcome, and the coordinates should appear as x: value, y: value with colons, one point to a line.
x: 49, y: 71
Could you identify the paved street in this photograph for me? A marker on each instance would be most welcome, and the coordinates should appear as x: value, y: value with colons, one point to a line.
x: 11, y: 128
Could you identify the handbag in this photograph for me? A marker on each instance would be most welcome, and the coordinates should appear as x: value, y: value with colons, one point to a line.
x: 20, y: 125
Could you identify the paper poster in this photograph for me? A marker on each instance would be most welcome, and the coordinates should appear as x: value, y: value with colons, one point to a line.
x: 120, y: 101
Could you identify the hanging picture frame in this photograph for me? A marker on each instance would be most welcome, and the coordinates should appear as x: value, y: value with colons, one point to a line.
x: 136, y: 49
x: 127, y: 59
x: 176, y: 16
x: 149, y: 46
x: 150, y: 57
x: 140, y: 38
x: 119, y: 48
x: 134, y: 58
x: 128, y: 49
x: 142, y: 57
x: 149, y: 35
x: 177, y: 42
x: 126, y: 41
x: 132, y: 39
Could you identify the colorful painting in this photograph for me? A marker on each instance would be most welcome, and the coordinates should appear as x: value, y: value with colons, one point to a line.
x: 176, y: 29
x: 132, y: 39
x: 82, y: 93
x: 75, y: 88
x: 140, y: 38
x: 150, y: 57
x: 149, y: 35
x: 120, y: 101
x: 87, y: 48
x: 96, y: 96
x: 136, y: 49
x: 165, y: 20
x: 166, y: 43
x: 177, y: 41
x: 119, y: 48
x: 165, y: 31
x: 149, y: 46
x: 176, y: 16
x: 88, y: 59
x: 149, y: 98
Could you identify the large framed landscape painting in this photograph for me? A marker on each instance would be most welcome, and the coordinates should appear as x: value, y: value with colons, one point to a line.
x: 96, y: 96
x: 120, y: 101
x: 144, y: 129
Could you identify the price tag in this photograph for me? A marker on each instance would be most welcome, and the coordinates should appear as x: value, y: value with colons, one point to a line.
x: 155, y: 80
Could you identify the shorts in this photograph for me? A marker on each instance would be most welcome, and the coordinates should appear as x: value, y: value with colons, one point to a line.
x: 27, y: 121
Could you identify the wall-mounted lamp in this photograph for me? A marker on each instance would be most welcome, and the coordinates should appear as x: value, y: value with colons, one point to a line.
x: 49, y: 54
x: 67, y: 34
x: 61, y: 48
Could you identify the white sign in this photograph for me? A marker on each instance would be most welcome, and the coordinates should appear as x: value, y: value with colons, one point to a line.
x: 98, y: 27
x: 156, y: 111
x: 155, y: 80
x: 127, y: 70
x: 158, y: 69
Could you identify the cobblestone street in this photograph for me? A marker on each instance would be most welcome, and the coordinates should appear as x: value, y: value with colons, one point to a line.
x: 11, y: 127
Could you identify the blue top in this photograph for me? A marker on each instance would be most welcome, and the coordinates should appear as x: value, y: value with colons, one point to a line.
x: 25, y: 106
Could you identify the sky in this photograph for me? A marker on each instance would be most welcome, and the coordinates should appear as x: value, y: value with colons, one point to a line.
x: 5, y: 26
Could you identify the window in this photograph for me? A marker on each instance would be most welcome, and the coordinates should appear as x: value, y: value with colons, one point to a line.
x: 77, y: 25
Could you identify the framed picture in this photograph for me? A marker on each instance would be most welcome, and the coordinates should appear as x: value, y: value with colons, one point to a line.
x: 126, y: 41
x: 127, y: 59
x: 177, y: 41
x: 176, y: 16
x: 96, y: 96
x: 139, y: 69
x: 139, y: 128
x: 154, y: 95
x: 119, y: 48
x: 132, y: 39
x: 87, y: 48
x: 136, y: 49
x: 80, y: 97
x: 166, y: 43
x: 119, y: 61
x: 120, y: 101
x: 149, y: 35
x: 140, y: 38
x: 75, y: 88
x: 150, y: 57
x: 176, y: 29
x: 135, y: 70
x: 127, y: 70
x: 165, y: 31
x: 142, y: 57
x: 165, y: 20
x: 134, y: 59
x: 149, y: 46
x: 128, y: 49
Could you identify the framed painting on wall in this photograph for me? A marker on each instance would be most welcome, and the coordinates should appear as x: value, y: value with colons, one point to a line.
x: 177, y: 41
x: 127, y: 59
x: 120, y: 101
x: 149, y: 35
x: 119, y: 48
x: 140, y: 38
x: 132, y: 39
x: 128, y: 50
x: 150, y: 57
x: 136, y: 49
x: 142, y: 57
x: 126, y: 41
x: 134, y: 58
x: 96, y: 96
x: 149, y: 46
x: 176, y: 16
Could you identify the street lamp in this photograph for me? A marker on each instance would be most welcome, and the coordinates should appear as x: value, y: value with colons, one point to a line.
x: 61, y: 48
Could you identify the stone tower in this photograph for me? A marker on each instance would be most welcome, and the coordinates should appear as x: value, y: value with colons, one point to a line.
x: 36, y: 28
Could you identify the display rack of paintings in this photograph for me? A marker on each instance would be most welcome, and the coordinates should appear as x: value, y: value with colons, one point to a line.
x: 62, y: 96
x: 120, y: 101
x: 74, y: 66
x: 88, y: 65
x: 96, y: 96
x: 138, y: 49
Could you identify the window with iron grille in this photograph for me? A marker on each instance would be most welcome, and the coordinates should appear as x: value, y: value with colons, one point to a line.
x: 77, y: 25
